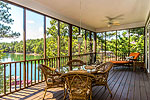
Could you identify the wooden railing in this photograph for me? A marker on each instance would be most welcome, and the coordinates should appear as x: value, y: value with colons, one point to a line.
x: 18, y: 75
x: 109, y: 56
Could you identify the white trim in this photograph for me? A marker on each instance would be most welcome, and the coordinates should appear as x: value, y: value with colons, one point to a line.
x: 125, y: 26
x: 149, y: 55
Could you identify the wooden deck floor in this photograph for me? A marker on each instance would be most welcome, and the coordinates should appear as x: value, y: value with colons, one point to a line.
x: 123, y: 82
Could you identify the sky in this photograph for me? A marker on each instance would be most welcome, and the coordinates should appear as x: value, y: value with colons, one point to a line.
x: 34, y: 24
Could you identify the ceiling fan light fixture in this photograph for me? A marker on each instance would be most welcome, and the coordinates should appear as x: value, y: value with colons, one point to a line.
x: 109, y: 25
x: 80, y: 38
x: 111, y: 21
x: 116, y: 23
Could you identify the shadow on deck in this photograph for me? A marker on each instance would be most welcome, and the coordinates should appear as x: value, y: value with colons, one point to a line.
x: 123, y: 82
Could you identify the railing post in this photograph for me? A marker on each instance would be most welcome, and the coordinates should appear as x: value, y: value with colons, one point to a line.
x: 116, y: 45
x: 24, y: 47
x: 102, y: 48
x: 85, y: 42
x: 90, y: 47
x: 45, y: 40
x: 58, y: 48
x: 4, y: 81
x: 79, y: 45
x: 105, y: 46
x: 85, y: 58
x: 70, y: 43
x: 129, y: 43
x: 144, y: 45
x: 94, y: 47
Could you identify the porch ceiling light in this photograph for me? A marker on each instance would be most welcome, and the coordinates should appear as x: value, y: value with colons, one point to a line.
x: 80, y: 38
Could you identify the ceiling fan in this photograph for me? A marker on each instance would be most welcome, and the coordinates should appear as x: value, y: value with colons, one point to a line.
x: 113, y: 20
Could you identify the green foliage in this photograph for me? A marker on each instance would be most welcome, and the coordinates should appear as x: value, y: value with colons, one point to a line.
x: 100, y: 42
x: 75, y: 45
x: 51, y: 40
x: 5, y: 32
x: 137, y: 40
x: 52, y: 35
x: 111, y: 41
x: 124, y: 44
x: 35, y: 46
x: 5, y: 20
x: 64, y: 33
x: 32, y: 46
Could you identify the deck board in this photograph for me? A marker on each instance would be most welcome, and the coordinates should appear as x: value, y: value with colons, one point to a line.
x: 115, y: 87
x: 143, y: 94
x: 106, y: 92
x: 101, y: 88
x: 137, y: 87
x: 147, y: 85
x: 124, y: 93
x: 121, y: 86
x: 131, y: 87
x: 123, y: 82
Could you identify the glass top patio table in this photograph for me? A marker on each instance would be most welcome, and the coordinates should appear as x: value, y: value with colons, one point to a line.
x: 88, y: 68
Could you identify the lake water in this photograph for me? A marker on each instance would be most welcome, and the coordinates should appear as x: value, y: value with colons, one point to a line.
x: 11, y: 57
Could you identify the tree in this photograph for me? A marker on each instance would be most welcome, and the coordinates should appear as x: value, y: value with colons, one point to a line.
x: 51, y: 40
x: 137, y: 40
x: 5, y: 32
x: 5, y: 20
x: 75, y: 45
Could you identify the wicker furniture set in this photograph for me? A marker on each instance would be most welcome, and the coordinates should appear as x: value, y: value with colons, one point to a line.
x: 77, y: 83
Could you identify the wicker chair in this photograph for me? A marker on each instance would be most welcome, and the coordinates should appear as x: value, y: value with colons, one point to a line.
x: 78, y: 84
x: 75, y: 63
x: 101, y: 75
x: 52, y: 77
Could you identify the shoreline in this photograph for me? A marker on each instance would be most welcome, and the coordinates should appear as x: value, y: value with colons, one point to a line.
x: 26, y: 54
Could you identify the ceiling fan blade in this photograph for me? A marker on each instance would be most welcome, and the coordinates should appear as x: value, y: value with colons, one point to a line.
x: 118, y: 16
x: 109, y: 18
x: 112, y: 20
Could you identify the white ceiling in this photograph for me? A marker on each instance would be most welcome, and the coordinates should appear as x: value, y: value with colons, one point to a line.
x: 94, y: 12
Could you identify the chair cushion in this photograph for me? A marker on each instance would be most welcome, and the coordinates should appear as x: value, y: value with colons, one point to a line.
x: 80, y: 91
x: 79, y: 94
x: 120, y: 62
x: 135, y: 55
x: 56, y: 79
x: 50, y: 81
x: 128, y: 58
